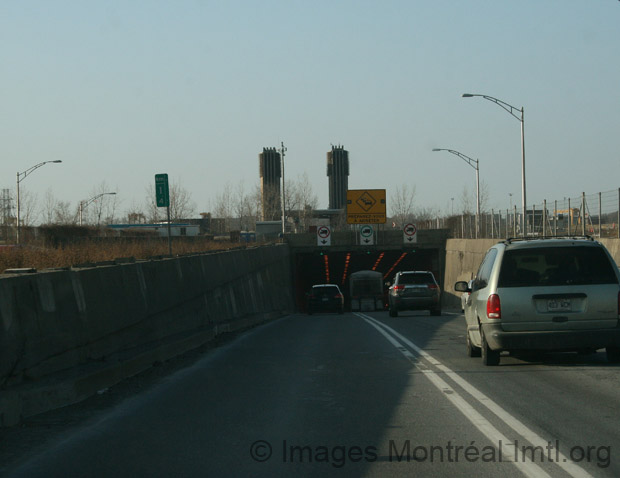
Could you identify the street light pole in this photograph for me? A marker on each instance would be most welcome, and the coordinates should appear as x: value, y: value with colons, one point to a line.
x: 521, y: 117
x: 20, y: 178
x: 282, y: 151
x: 84, y: 204
x: 474, y: 163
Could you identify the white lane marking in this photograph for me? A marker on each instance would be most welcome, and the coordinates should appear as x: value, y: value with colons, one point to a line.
x: 536, y: 440
x: 493, y: 434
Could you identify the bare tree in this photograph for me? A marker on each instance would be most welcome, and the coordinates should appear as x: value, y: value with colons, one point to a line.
x: 468, y: 199
x: 63, y: 213
x: 49, y: 207
x: 27, y: 207
x: 245, y: 208
x: 302, y: 200
x: 181, y: 204
x: 224, y: 205
x: 402, y: 204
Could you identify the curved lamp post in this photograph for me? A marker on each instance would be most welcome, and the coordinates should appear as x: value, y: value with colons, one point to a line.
x: 283, y: 150
x: 83, y: 204
x: 20, y: 178
x: 474, y: 163
x: 520, y: 116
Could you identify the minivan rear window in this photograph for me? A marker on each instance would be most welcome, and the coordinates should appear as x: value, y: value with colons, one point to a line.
x: 556, y: 266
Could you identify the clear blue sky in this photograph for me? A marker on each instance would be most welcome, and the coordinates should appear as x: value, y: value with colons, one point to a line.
x: 122, y: 90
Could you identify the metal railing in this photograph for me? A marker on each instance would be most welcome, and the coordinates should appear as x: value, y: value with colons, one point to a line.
x: 596, y: 215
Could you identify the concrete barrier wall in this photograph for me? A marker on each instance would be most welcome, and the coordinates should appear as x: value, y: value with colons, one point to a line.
x: 463, y: 256
x: 96, y: 322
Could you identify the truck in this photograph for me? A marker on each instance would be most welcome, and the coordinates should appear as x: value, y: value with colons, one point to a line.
x: 366, y: 291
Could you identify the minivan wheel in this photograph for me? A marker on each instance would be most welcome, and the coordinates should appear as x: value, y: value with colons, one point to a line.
x: 435, y: 311
x: 393, y: 312
x: 472, y: 350
x: 613, y: 354
x: 489, y: 357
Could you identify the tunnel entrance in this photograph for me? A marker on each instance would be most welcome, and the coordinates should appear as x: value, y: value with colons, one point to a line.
x: 336, y: 266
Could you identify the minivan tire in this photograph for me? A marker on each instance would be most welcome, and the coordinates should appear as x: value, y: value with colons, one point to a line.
x: 489, y: 357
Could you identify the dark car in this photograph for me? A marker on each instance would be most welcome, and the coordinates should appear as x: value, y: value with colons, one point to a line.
x: 414, y: 290
x: 325, y: 298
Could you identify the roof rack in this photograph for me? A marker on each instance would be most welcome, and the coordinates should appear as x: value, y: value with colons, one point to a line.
x: 510, y: 240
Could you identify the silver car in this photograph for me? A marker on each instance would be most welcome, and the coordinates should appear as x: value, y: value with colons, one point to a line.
x: 559, y: 294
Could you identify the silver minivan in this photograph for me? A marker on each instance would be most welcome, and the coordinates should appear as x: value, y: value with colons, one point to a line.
x: 560, y: 294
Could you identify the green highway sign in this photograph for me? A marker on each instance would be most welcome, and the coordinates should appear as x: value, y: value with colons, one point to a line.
x: 162, y: 196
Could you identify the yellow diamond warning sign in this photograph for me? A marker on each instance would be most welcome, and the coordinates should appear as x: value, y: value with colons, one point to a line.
x: 366, y: 206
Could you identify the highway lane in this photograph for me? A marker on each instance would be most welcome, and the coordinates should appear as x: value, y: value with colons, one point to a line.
x: 354, y: 395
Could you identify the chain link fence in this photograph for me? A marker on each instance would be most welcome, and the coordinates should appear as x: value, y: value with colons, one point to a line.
x: 596, y: 215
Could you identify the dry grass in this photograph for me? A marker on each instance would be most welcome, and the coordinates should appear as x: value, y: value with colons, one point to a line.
x: 92, y: 252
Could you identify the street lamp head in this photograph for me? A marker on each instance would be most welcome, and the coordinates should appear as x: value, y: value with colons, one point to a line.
x: 437, y: 149
x: 57, y: 161
x: 467, y: 95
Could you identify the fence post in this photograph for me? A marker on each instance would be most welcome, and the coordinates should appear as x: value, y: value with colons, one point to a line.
x: 514, y: 222
x: 544, y: 231
x: 555, y: 217
x: 583, y: 214
x: 600, y: 213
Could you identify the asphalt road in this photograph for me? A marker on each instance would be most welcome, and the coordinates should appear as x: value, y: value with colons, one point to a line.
x: 359, y: 394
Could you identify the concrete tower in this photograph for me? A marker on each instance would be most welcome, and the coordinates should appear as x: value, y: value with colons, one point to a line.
x: 270, y: 174
x: 338, y: 174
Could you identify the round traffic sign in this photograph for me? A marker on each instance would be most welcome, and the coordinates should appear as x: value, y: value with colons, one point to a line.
x: 366, y: 231
x: 323, y: 232
x: 410, y: 229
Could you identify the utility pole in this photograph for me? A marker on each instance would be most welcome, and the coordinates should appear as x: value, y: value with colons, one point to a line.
x: 282, y: 151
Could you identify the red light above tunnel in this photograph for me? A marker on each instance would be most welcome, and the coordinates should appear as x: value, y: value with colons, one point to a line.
x: 346, y: 267
x: 374, y: 268
x: 387, y: 274
x: 326, y: 259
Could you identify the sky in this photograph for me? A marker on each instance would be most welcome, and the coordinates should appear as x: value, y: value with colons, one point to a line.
x: 122, y: 90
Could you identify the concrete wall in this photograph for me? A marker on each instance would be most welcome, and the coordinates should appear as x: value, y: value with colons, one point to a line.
x: 463, y: 256
x: 66, y: 334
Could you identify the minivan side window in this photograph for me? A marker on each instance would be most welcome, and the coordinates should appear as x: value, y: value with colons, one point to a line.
x: 484, y: 272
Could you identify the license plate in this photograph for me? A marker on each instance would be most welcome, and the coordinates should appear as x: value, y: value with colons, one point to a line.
x: 324, y: 299
x: 559, y: 305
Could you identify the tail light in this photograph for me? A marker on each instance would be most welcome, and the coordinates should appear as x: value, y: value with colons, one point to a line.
x: 494, y: 308
x: 619, y: 304
x: 433, y: 286
x: 338, y: 296
x: 399, y: 287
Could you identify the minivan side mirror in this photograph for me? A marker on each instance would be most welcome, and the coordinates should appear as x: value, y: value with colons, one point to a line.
x: 461, y: 286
